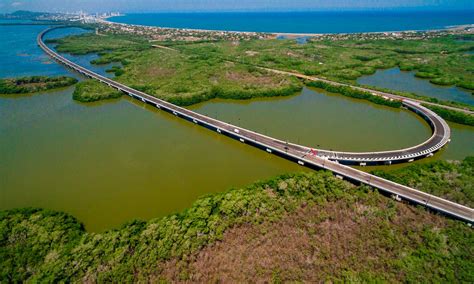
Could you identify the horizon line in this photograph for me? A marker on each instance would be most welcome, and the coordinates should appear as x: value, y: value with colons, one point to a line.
x: 302, y: 10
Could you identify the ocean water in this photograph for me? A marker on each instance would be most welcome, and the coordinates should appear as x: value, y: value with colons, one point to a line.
x: 303, y: 22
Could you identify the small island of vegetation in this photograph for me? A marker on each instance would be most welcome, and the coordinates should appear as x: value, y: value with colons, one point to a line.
x: 34, y: 84
x: 92, y: 90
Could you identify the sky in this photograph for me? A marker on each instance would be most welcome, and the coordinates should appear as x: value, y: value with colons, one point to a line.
x: 228, y: 5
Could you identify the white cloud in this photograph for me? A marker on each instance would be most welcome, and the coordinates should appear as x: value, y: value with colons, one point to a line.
x: 16, y: 4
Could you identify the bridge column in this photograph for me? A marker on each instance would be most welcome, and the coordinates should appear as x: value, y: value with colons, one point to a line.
x: 396, y: 197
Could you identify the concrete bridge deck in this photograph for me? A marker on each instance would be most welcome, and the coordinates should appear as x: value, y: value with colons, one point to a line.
x: 304, y: 155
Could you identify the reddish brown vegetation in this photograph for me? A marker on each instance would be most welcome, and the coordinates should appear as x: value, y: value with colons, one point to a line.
x: 314, y: 244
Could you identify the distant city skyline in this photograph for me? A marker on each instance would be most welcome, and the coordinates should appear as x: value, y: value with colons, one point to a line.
x: 126, y: 6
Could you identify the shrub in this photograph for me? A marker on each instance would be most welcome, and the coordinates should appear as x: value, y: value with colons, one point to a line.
x: 34, y: 84
x: 92, y: 90
x: 444, y: 81
x: 350, y: 92
x: 452, y: 115
x: 466, y: 85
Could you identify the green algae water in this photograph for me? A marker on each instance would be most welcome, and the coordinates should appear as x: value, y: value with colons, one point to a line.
x: 321, y: 120
x: 117, y: 161
x: 111, y: 162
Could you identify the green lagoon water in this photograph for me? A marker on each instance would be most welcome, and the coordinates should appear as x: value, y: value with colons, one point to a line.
x: 112, y: 162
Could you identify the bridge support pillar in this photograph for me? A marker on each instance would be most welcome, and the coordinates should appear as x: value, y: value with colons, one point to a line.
x: 396, y: 197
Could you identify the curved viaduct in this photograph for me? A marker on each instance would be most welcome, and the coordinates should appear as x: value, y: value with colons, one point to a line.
x: 306, y: 156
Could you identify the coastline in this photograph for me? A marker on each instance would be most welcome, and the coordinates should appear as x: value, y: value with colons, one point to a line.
x: 107, y: 20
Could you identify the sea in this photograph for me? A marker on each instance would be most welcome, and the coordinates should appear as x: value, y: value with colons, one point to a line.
x: 304, y: 22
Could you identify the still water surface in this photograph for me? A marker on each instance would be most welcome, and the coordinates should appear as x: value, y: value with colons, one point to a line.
x: 112, y: 162
x: 304, y: 22
x: 398, y: 80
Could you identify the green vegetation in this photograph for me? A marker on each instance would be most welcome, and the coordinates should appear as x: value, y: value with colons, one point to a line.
x: 34, y: 84
x: 92, y: 90
x: 92, y: 43
x: 350, y: 92
x: 346, y: 60
x: 328, y: 224
x: 466, y: 85
x: 418, y: 97
x: 442, y: 60
x: 426, y: 75
x: 452, y: 115
x: 204, y: 70
x: 451, y: 180
x: 183, y: 79
x: 443, y: 81
x: 117, y: 70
